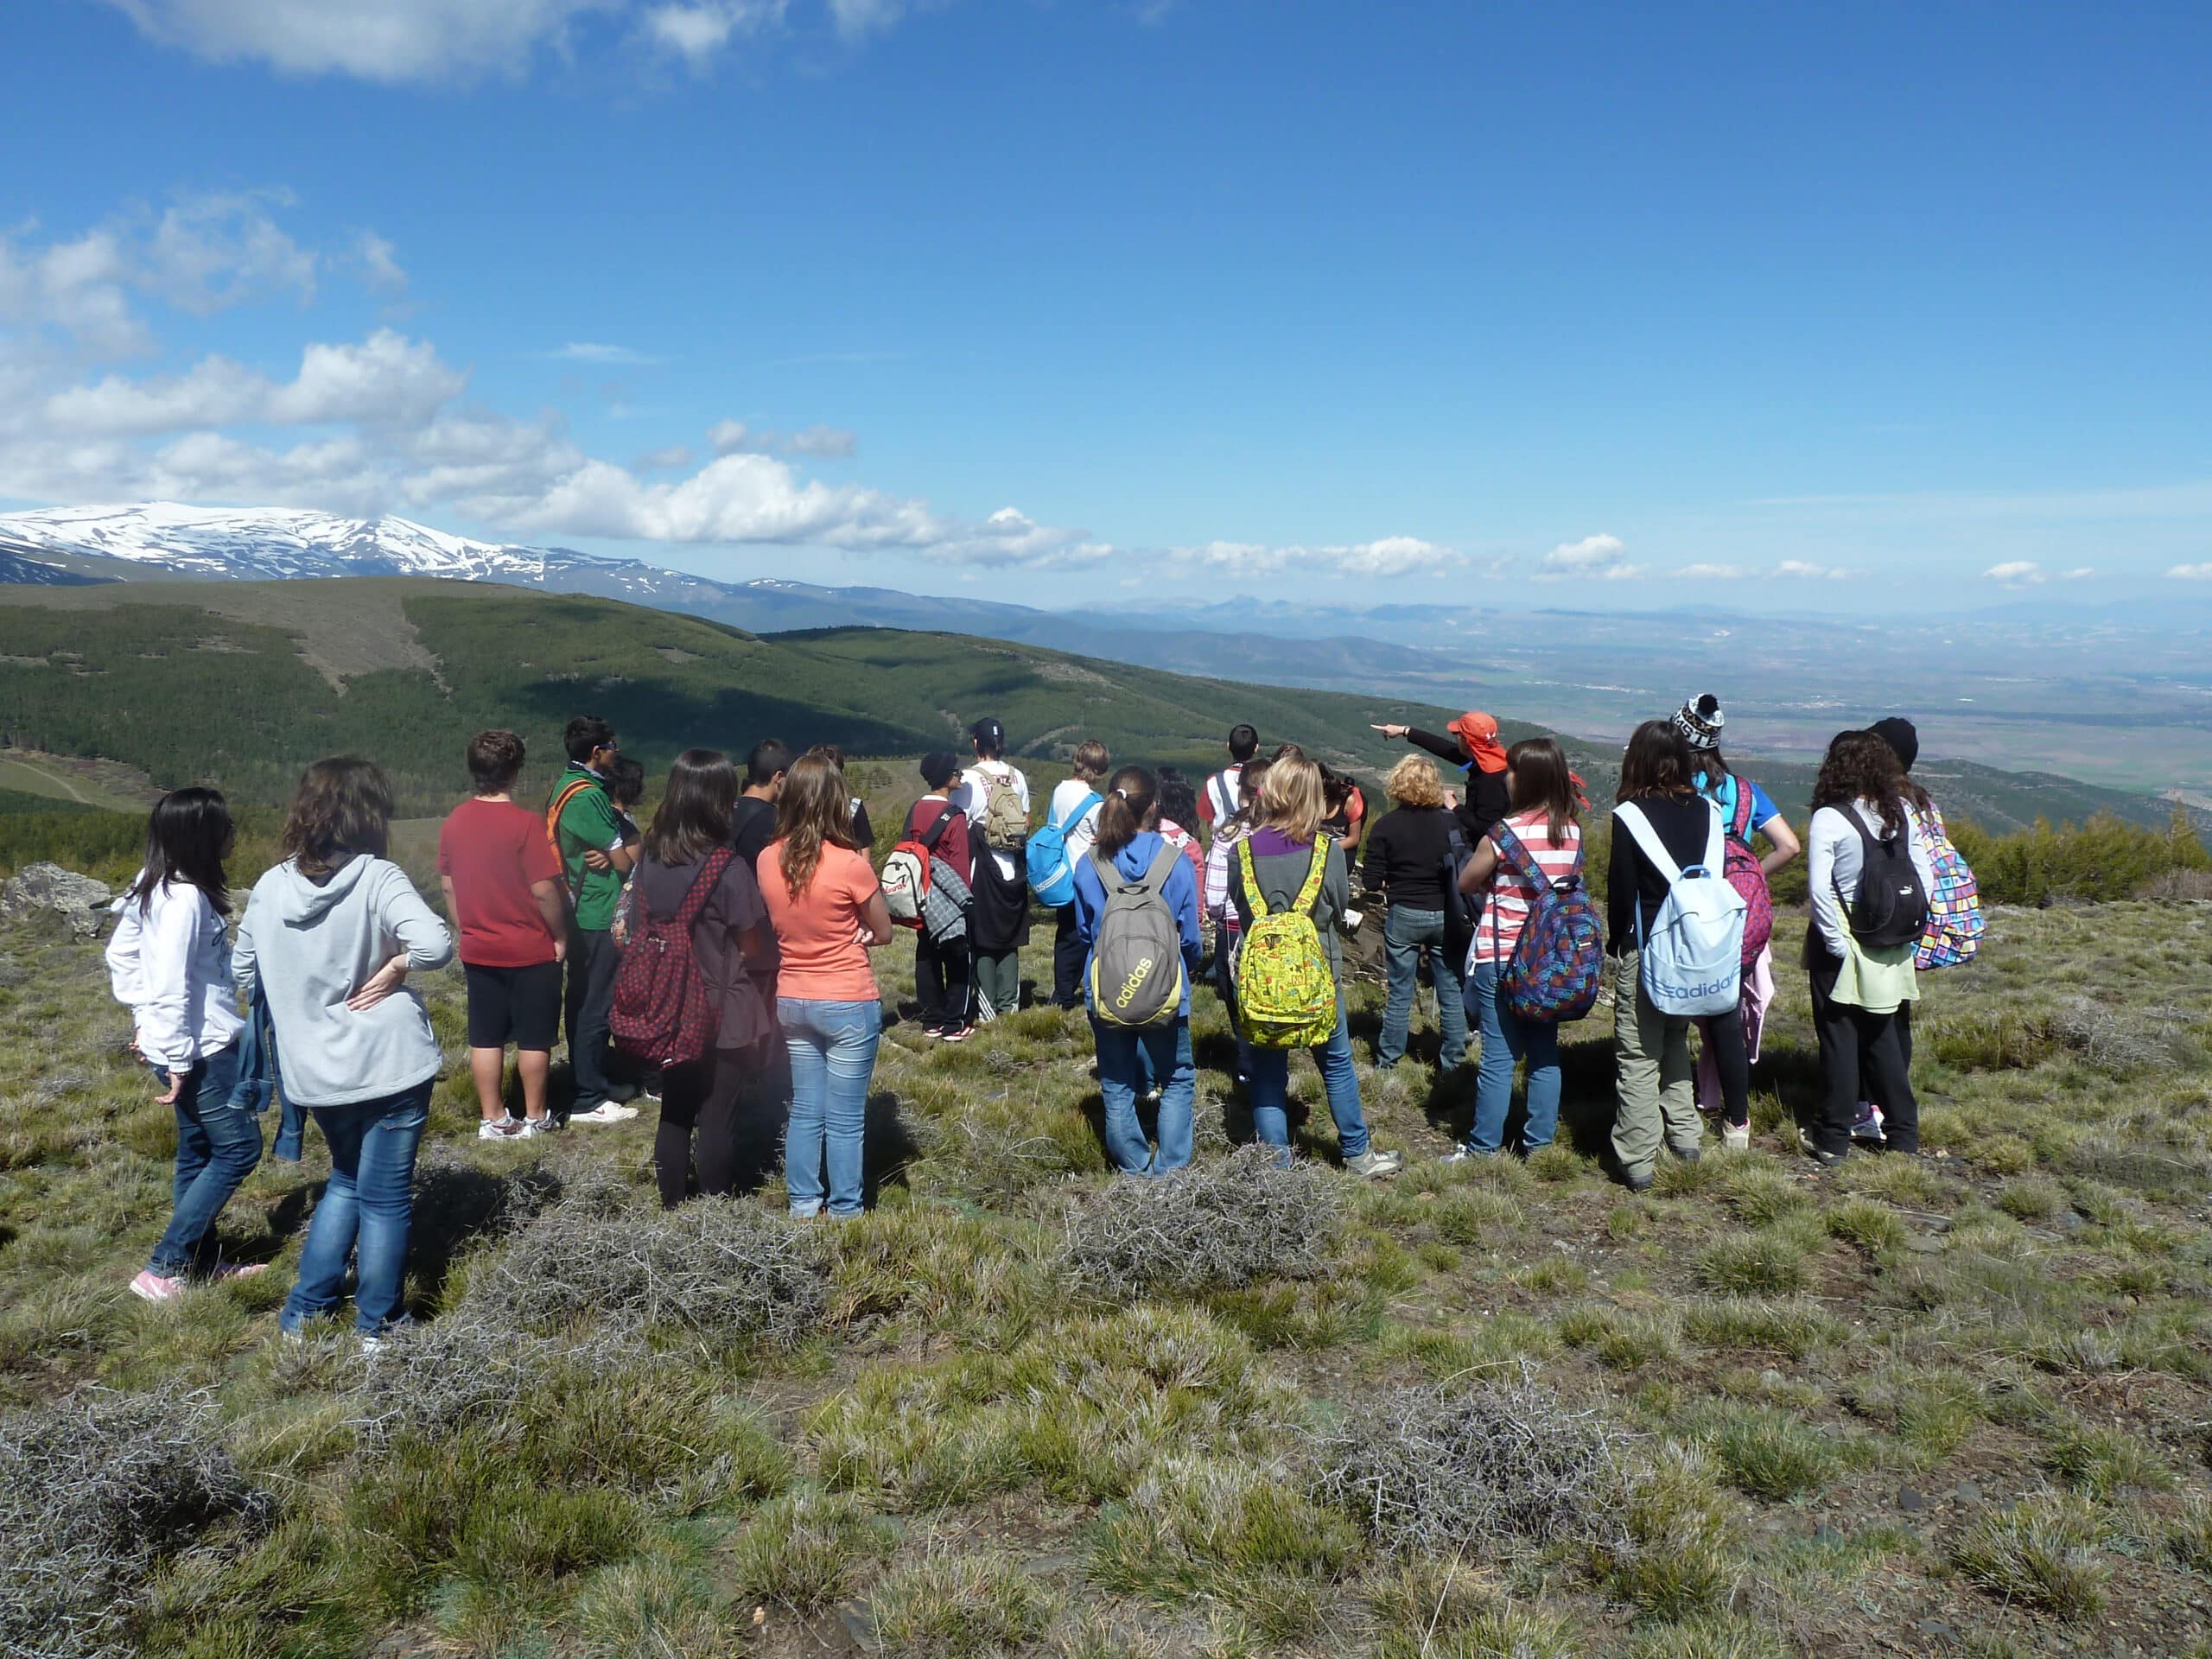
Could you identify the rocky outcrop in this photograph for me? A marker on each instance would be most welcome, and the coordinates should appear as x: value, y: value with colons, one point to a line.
x: 78, y: 899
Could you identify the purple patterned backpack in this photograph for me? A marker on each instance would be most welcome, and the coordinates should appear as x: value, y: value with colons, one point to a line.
x: 1560, y: 958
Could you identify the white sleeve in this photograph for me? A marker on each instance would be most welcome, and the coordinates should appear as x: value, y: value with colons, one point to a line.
x: 1922, y: 853
x: 972, y: 794
x: 171, y: 930
x: 1822, y: 836
x: 126, y: 976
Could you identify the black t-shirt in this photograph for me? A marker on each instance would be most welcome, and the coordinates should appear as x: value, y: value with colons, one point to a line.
x: 1406, y: 851
x: 752, y: 827
x: 1684, y: 826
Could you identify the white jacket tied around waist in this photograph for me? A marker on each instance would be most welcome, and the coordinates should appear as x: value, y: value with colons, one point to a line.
x: 310, y: 946
x: 169, y: 963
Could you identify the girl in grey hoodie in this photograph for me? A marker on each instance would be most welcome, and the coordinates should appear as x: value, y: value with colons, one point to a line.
x: 331, y: 935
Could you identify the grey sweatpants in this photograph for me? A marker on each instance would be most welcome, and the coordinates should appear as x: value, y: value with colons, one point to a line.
x: 1657, y: 1097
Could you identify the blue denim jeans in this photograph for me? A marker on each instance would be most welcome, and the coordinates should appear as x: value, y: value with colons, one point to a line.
x: 364, y: 1211
x: 1125, y: 1058
x: 1270, y: 1075
x: 218, y: 1144
x: 833, y: 1055
x: 1507, y: 1040
x: 1405, y: 931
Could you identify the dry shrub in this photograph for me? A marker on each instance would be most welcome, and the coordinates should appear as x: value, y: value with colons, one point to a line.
x: 590, y: 1280
x: 94, y: 1491
x: 1442, y: 1471
x: 1213, y: 1226
x: 2109, y: 1040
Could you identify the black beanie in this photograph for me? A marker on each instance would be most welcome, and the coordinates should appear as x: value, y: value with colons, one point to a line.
x: 938, y: 768
x: 1898, y: 733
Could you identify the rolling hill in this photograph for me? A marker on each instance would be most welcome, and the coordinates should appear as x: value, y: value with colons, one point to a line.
x: 241, y: 683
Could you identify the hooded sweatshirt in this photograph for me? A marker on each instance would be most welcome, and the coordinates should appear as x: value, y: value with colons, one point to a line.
x: 169, y: 963
x: 1179, y: 892
x: 310, y: 946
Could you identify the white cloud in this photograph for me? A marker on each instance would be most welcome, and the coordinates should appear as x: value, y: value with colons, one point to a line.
x: 1392, y: 555
x: 387, y: 41
x: 1716, y: 573
x: 2015, y: 573
x: 386, y: 380
x: 1595, y: 558
x: 1806, y: 570
x: 829, y: 443
x: 2079, y: 573
x: 588, y: 350
x: 2191, y: 573
x: 211, y: 251
x: 735, y: 437
x: 697, y: 31
x: 665, y: 460
x: 380, y: 262
x: 856, y: 19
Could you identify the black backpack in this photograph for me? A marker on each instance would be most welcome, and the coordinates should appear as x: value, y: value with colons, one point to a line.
x: 1892, y: 909
x: 1461, y: 914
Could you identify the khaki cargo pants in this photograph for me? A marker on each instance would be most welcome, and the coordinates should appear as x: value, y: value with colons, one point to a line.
x: 1657, y: 1096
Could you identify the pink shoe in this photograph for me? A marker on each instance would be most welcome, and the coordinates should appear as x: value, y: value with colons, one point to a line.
x: 152, y: 1286
x: 235, y: 1270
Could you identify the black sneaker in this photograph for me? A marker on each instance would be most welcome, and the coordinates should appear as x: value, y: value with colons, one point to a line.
x: 1636, y: 1180
x: 1813, y: 1150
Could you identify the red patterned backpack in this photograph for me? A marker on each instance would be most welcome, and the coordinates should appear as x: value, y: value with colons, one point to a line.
x: 663, y: 1013
x: 1748, y: 876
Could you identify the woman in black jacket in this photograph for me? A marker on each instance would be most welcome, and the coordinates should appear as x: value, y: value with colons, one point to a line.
x: 1409, y: 857
x: 1473, y: 746
x: 1657, y: 1096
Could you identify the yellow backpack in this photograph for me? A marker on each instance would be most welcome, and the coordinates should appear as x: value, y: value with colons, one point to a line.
x: 1286, y: 990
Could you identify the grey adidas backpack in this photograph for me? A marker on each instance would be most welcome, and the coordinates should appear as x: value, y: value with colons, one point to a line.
x: 1136, y: 964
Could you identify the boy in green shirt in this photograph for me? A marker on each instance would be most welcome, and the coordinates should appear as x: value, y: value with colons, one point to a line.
x: 587, y: 834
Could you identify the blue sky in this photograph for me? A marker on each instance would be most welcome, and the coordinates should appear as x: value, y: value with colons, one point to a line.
x: 1122, y: 300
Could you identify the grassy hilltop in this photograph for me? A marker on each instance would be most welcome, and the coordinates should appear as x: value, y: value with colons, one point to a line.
x: 238, y: 684
x: 1951, y: 1408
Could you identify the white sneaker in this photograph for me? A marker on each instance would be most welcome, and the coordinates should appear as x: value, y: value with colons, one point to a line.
x: 605, y: 1112
x: 531, y: 1128
x: 1376, y: 1166
x: 1868, y: 1131
x: 502, y: 1128
x: 1735, y: 1137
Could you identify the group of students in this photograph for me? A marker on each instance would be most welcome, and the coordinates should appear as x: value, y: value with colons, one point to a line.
x: 720, y: 954
x: 1490, y: 881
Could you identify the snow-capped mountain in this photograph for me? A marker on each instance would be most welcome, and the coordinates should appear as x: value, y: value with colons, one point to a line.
x: 271, y: 543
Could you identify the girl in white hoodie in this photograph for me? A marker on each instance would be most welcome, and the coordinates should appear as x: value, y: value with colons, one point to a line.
x: 169, y: 963
x: 331, y: 935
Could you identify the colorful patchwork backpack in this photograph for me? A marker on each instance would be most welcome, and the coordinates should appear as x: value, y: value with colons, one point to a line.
x: 1285, y: 988
x: 1955, y: 923
x: 1559, y: 961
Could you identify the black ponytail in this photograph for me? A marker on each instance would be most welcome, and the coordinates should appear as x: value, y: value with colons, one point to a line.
x: 1132, y: 803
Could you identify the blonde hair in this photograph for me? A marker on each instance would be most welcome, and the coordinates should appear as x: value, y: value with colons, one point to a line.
x: 1290, y: 798
x: 1090, y: 760
x: 814, y: 812
x: 1414, y: 782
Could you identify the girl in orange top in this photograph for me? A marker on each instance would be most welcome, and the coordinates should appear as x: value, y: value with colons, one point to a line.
x: 828, y: 910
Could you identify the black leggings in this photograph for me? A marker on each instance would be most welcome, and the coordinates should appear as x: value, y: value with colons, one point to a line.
x: 1863, y: 1057
x: 941, y: 981
x: 699, y: 1113
x: 1723, y: 1037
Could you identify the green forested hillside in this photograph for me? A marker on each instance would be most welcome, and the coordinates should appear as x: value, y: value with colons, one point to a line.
x: 238, y: 684
x: 155, y: 678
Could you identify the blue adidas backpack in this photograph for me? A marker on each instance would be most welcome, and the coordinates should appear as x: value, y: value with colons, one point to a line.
x: 1051, y: 877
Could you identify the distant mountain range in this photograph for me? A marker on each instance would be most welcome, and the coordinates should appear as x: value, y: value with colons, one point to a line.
x: 2119, y: 695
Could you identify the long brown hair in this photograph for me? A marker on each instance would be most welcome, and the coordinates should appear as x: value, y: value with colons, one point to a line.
x: 1541, y: 782
x: 813, y: 810
x: 341, y: 808
x: 1862, y: 766
x: 693, y: 815
x: 1656, y: 762
x: 1132, y: 799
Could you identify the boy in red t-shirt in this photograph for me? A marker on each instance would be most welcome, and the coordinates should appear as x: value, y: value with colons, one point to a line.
x: 502, y: 880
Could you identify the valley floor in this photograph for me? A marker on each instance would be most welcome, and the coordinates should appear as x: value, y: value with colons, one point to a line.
x: 1959, y: 1406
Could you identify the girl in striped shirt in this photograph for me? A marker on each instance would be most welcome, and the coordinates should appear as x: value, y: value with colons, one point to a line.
x: 1546, y: 819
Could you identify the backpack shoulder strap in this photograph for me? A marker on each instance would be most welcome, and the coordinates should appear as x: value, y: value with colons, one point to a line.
x: 1253, y: 896
x: 1716, y: 839
x: 1630, y: 817
x: 1739, y: 824
x: 1309, y: 892
x: 1163, y: 866
x: 567, y: 792
x: 934, y: 833
x: 702, y: 885
x: 1513, y: 850
x: 1076, y: 814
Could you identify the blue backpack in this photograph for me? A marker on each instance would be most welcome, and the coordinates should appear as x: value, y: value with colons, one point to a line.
x: 1051, y: 877
x: 1559, y: 959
